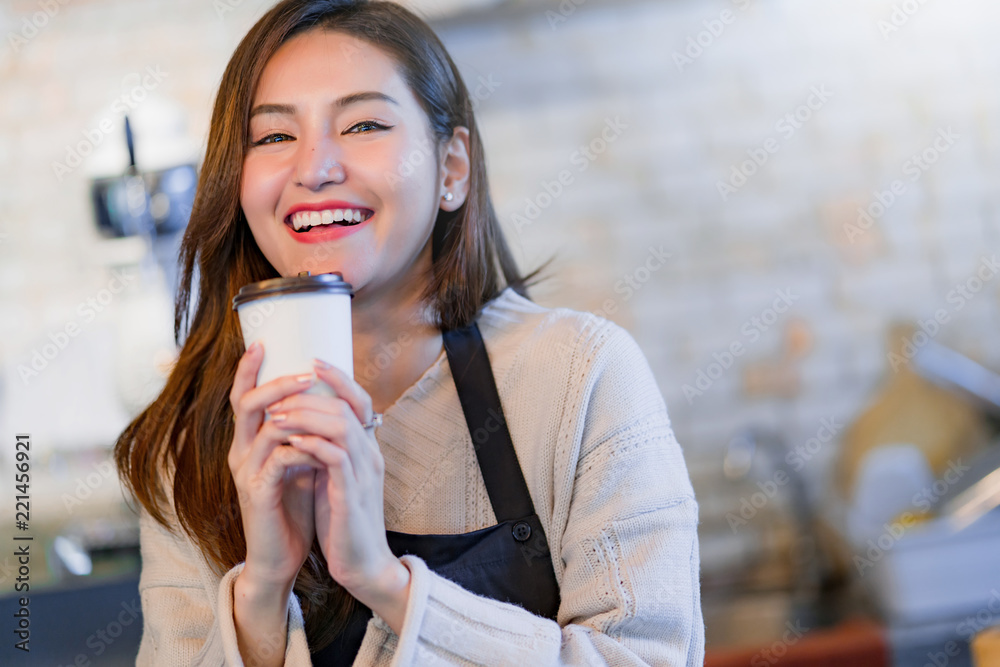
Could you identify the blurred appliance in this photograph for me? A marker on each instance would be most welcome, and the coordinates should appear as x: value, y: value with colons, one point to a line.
x: 152, y: 205
x: 949, y: 369
x: 123, y: 205
x: 939, y: 580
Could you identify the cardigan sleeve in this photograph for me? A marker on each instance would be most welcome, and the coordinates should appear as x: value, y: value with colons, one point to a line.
x: 188, y: 611
x: 629, y: 575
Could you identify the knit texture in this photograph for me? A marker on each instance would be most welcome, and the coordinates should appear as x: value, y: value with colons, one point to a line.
x: 605, y: 473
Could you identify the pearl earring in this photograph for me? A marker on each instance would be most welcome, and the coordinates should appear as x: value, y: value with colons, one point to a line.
x: 448, y: 196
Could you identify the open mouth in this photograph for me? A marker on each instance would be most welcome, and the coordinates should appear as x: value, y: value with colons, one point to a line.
x: 303, y: 221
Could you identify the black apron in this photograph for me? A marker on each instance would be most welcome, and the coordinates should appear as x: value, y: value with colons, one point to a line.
x: 510, y: 561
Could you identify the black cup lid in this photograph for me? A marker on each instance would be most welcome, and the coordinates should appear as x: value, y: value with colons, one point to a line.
x: 304, y: 282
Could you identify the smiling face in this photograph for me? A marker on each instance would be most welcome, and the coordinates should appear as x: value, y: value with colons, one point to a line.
x: 336, y: 135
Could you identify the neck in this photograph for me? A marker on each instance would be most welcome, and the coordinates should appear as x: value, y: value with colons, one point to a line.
x: 395, y: 342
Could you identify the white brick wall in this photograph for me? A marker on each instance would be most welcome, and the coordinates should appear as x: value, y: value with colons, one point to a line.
x: 686, y: 131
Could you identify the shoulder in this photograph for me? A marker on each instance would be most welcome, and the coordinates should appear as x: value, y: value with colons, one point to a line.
x: 515, y: 327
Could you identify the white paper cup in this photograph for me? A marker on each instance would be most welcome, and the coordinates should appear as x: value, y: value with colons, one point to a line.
x: 298, y: 319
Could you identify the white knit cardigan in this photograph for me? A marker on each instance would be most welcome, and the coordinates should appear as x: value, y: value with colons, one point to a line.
x: 607, y: 479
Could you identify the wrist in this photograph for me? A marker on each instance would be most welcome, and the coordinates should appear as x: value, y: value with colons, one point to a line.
x: 260, y: 618
x: 261, y: 591
x: 387, y: 593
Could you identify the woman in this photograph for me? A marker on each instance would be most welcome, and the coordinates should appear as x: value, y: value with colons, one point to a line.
x: 523, y: 501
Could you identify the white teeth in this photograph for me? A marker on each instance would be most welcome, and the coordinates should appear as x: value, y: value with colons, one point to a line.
x: 306, y: 219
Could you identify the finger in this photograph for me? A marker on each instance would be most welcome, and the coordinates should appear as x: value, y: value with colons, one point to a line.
x: 246, y: 373
x: 335, y: 459
x: 269, y: 438
x: 318, y: 402
x: 322, y: 404
x: 250, y: 408
x: 346, y: 388
x: 277, y: 466
x: 339, y: 427
x: 284, y: 459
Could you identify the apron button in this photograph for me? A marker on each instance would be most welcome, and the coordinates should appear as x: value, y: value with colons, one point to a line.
x: 522, y: 531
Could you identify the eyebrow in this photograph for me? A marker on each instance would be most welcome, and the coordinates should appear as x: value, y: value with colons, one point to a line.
x: 345, y: 101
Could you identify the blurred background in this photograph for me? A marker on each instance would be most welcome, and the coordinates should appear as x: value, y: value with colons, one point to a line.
x: 792, y: 206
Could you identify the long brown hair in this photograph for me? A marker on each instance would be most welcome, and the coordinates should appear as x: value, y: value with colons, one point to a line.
x: 471, y: 265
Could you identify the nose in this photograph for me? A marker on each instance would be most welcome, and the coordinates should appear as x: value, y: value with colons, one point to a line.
x: 319, y: 164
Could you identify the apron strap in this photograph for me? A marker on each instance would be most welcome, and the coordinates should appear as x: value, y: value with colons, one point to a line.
x: 477, y: 392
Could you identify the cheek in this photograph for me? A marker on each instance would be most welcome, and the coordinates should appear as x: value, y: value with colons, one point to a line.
x: 260, y: 189
x: 249, y: 192
x: 258, y: 198
x: 402, y: 165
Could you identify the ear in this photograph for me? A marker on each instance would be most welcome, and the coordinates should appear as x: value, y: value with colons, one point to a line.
x: 455, y: 170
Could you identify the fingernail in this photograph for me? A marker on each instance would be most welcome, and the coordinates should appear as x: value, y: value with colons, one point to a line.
x: 254, y: 346
x: 305, y: 379
x: 295, y: 438
x: 279, y: 417
x: 319, y: 363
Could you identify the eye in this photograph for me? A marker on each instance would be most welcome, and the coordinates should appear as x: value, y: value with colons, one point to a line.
x: 374, y: 125
x: 268, y: 139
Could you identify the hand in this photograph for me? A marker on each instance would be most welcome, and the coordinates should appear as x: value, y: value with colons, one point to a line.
x: 349, y: 510
x: 275, y: 483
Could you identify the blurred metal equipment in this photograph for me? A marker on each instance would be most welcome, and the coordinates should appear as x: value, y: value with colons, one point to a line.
x: 758, y: 456
x: 949, y: 369
x: 143, y: 180
x: 952, y: 370
x: 154, y: 205
x: 126, y: 205
x: 976, y: 501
